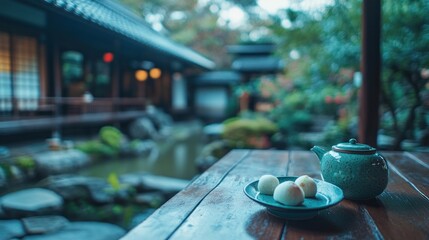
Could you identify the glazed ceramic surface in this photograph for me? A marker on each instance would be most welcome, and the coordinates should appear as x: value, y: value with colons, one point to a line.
x: 327, y: 195
x: 357, y: 169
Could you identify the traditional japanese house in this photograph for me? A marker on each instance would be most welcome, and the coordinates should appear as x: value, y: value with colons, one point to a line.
x: 255, y: 59
x: 70, y: 62
x: 213, y: 97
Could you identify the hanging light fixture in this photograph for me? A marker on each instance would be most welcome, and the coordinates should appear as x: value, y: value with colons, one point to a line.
x: 141, y: 75
x: 155, y: 73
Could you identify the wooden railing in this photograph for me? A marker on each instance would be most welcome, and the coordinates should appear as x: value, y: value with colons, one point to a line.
x: 54, y: 107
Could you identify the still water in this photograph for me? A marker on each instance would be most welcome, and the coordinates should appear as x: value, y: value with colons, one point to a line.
x: 173, y: 158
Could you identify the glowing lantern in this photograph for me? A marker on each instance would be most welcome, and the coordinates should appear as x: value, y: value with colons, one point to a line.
x: 155, y: 73
x: 108, y: 57
x: 141, y: 75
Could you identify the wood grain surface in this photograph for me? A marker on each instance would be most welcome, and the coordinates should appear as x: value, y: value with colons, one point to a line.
x: 215, y: 207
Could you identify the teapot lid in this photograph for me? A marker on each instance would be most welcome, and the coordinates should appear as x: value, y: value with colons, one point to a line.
x: 353, y: 147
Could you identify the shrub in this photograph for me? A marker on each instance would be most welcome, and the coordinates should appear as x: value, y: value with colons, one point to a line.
x: 97, y: 148
x: 111, y: 136
x: 25, y: 162
x: 247, y: 132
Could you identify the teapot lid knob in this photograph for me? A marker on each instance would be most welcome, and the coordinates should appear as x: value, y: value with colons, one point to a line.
x: 353, y: 147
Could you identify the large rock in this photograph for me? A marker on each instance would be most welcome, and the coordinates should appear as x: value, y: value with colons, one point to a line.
x: 10, y: 229
x: 167, y: 185
x: 72, y: 187
x: 143, y: 128
x: 83, y: 230
x: 3, y: 177
x: 141, y: 148
x: 56, y: 162
x: 44, y: 224
x: 148, y: 182
x: 160, y: 118
x: 4, y: 152
x: 31, y: 202
x: 156, y: 125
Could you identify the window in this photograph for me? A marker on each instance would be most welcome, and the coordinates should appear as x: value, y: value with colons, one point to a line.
x: 5, y: 73
x: 82, y: 73
x: 26, y: 74
x: 19, y: 72
x: 73, y: 74
x: 101, y: 86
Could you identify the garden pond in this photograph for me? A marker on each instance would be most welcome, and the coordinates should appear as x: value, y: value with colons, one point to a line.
x: 124, y: 189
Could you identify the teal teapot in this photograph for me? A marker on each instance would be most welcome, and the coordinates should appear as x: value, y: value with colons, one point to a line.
x: 356, y: 168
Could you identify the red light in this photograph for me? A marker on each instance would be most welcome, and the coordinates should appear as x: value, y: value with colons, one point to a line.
x: 108, y: 57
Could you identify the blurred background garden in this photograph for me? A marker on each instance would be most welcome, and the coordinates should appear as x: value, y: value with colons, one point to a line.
x: 320, y: 44
x: 114, y: 106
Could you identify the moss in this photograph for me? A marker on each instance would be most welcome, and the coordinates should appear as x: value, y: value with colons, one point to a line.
x: 111, y: 136
x: 113, y: 180
x: 25, y: 162
x: 97, y: 148
x: 7, y: 170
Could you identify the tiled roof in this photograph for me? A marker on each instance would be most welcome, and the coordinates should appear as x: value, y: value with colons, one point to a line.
x: 217, y: 77
x: 258, y: 64
x: 251, y: 49
x: 115, y: 17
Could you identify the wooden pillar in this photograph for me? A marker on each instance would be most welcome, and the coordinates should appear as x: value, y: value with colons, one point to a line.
x: 54, y: 70
x: 116, y: 77
x: 13, y: 70
x: 370, y: 67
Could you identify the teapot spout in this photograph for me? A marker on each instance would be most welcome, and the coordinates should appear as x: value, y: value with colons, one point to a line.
x: 319, y: 151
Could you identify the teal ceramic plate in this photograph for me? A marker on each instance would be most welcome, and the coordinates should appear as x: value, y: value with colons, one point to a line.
x: 327, y: 195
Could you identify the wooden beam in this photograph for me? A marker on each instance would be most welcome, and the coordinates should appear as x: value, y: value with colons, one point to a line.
x: 370, y: 67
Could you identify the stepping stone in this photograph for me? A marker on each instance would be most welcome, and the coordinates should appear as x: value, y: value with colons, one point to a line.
x: 44, y: 224
x: 10, y: 229
x: 56, y: 162
x: 30, y: 202
x: 164, y: 184
x: 83, y: 230
x: 147, y: 182
x: 72, y: 187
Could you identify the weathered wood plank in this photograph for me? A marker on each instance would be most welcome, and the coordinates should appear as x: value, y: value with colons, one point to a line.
x: 421, y: 157
x: 344, y: 221
x: 226, y: 213
x: 215, y: 207
x: 411, y: 168
x: 400, y: 212
x: 169, y: 216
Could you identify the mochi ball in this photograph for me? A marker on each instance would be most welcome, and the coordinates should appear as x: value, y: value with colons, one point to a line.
x: 267, y: 184
x: 308, y: 185
x: 289, y: 193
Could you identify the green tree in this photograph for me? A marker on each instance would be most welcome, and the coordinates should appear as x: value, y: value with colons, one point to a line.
x: 329, y: 41
x: 194, y: 24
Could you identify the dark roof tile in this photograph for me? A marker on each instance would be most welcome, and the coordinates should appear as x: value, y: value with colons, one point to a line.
x: 112, y: 15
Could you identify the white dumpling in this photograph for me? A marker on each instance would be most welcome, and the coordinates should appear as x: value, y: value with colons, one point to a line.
x: 267, y: 184
x: 308, y: 185
x: 289, y: 193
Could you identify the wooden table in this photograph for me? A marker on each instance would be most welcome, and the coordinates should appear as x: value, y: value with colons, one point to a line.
x: 215, y: 207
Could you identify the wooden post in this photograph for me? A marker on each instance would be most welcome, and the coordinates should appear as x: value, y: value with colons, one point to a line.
x: 115, y: 74
x: 54, y: 70
x: 370, y: 67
